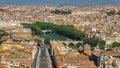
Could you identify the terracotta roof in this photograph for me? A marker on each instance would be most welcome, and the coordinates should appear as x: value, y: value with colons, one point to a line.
x: 110, y: 53
x: 27, y: 63
x: 2, y: 65
x: 96, y: 53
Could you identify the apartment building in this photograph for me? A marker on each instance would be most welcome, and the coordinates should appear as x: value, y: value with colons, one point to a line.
x: 112, y: 58
x: 69, y: 58
x: 21, y: 34
x: 16, y: 54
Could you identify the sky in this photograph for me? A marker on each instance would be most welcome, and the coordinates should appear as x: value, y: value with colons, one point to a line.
x: 59, y: 2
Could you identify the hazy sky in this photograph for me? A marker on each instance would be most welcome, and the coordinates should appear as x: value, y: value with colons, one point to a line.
x: 74, y: 2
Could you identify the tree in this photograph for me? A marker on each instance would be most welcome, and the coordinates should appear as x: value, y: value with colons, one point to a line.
x: 94, y: 42
x: 111, y: 12
x: 118, y: 12
x: 87, y: 40
x: 78, y: 45
x: 115, y: 44
x: 3, y: 33
x: 38, y: 30
x: 102, y: 42
x: 61, y: 12
x: 64, y: 44
x: 47, y: 41
x: 38, y: 40
x: 68, y: 31
x: 102, y: 47
x: 1, y: 41
x: 92, y: 48
x: 71, y: 45
x: 110, y: 49
x: 22, y: 66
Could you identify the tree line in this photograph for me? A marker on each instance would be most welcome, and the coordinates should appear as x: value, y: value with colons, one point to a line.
x: 68, y: 31
x: 2, y: 33
x: 61, y: 12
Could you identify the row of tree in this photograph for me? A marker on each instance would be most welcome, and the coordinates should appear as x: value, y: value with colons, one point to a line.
x: 112, y: 12
x: 36, y: 30
x: 68, y: 31
x: 2, y: 33
x: 63, y: 30
x: 115, y: 44
x: 61, y: 12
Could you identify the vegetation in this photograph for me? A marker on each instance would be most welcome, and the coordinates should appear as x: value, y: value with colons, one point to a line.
x: 63, y: 30
x: 78, y: 45
x: 35, y: 29
x: 64, y: 44
x: 3, y: 33
x: 61, y: 12
x: 47, y: 41
x: 27, y: 67
x: 16, y: 40
x: 111, y: 12
x: 102, y: 47
x: 38, y: 40
x: 68, y: 31
x: 1, y: 41
x: 92, y: 48
x: 95, y: 41
x: 110, y: 49
x: 118, y: 12
x: 71, y: 45
x: 22, y: 66
x: 115, y: 44
x: 74, y: 46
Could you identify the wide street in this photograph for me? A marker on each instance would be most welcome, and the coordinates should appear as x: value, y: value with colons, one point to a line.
x: 42, y: 59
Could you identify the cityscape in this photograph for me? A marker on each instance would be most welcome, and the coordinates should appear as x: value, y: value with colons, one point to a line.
x: 59, y: 36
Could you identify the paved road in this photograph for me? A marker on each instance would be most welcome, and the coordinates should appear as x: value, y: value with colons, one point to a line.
x: 42, y: 59
x: 35, y: 58
x: 102, y: 59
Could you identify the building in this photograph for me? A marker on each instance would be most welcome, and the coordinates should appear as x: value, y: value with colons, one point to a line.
x: 66, y: 57
x: 112, y: 58
x: 85, y: 12
x: 16, y: 54
x: 21, y: 34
